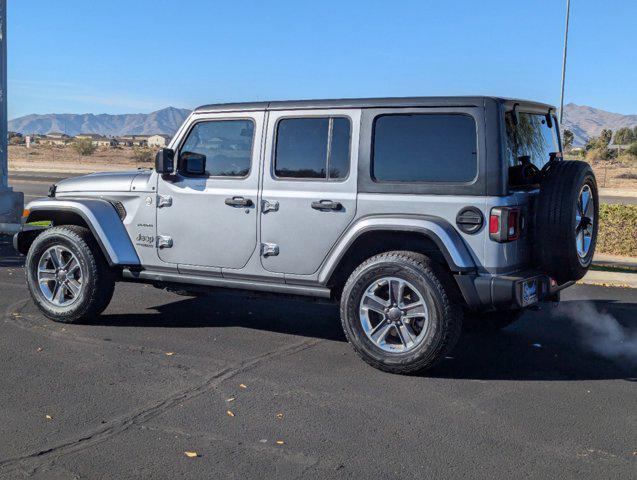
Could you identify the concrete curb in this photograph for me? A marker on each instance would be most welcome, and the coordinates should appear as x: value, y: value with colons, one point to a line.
x: 610, y: 279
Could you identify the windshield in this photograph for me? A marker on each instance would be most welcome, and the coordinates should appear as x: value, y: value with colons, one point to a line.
x: 531, y: 138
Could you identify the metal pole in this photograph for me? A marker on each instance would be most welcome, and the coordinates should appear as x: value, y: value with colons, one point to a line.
x: 568, y: 11
x: 3, y: 94
x: 10, y: 202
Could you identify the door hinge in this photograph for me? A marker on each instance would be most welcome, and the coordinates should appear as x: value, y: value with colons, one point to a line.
x: 269, y: 249
x: 270, y: 206
x: 164, y: 201
x: 164, y: 241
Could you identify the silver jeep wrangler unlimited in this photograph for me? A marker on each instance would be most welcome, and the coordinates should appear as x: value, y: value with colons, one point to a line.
x: 419, y: 215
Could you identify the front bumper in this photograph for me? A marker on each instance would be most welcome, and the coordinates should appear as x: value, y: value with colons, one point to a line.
x: 517, y: 290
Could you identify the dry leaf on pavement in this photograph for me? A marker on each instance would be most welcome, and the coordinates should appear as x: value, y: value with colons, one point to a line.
x: 230, y: 414
x: 191, y: 454
x: 280, y: 442
x: 241, y: 385
x: 48, y: 417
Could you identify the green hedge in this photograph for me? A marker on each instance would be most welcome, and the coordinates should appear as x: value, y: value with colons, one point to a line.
x: 617, y: 230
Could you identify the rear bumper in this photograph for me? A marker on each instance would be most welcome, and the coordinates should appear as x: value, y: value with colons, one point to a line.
x: 517, y: 290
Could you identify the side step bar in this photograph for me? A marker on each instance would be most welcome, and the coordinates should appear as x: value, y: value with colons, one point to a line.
x: 148, y: 276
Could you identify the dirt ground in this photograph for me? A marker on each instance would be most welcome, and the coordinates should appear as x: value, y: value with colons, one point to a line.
x: 44, y: 158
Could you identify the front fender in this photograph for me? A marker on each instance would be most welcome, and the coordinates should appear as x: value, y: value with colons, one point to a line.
x: 438, y: 230
x: 100, y: 216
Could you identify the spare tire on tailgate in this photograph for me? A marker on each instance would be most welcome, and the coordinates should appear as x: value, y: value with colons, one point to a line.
x: 566, y: 220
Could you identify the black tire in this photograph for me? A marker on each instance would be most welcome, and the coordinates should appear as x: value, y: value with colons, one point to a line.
x: 489, y: 321
x: 436, y: 289
x: 555, y: 236
x: 98, y: 280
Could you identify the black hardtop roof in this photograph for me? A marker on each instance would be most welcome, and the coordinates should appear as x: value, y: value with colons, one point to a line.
x: 468, y: 101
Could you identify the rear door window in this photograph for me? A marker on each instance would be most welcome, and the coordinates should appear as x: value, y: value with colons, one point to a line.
x: 312, y: 148
x: 424, y: 148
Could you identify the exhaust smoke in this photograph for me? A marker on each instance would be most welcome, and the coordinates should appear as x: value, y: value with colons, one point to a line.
x: 601, y: 332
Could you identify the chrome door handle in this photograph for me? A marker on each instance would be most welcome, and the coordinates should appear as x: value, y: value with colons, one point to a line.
x: 327, y: 205
x: 238, y: 202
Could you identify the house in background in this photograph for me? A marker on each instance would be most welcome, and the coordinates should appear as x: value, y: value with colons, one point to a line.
x: 54, y: 138
x: 160, y: 140
x: 98, y: 140
x: 133, y: 140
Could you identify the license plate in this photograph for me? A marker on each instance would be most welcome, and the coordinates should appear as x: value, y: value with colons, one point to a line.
x: 529, y: 292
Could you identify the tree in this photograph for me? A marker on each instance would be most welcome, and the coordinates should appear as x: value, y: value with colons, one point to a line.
x: 84, y: 146
x: 567, y: 138
x: 632, y: 150
x: 624, y: 136
x: 604, y: 138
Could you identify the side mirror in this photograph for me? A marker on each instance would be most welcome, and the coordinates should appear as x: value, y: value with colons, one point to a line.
x: 165, y: 161
x: 193, y: 163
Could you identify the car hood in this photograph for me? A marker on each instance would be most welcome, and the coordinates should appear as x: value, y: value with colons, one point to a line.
x: 100, y: 182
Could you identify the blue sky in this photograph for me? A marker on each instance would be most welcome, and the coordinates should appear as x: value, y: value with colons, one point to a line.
x: 116, y: 56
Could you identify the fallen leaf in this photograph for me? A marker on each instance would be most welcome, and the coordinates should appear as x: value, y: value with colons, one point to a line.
x: 191, y: 454
x: 280, y: 442
x: 279, y: 416
x: 230, y: 414
x: 231, y: 399
x: 241, y: 385
x: 48, y: 417
x: 170, y: 354
x: 263, y: 440
x: 39, y: 349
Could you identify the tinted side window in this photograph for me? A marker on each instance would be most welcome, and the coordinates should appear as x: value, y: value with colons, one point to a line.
x: 312, y: 148
x: 227, y: 145
x: 424, y: 148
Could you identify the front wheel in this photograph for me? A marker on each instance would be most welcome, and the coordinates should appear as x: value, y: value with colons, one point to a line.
x: 398, y: 314
x: 67, y: 275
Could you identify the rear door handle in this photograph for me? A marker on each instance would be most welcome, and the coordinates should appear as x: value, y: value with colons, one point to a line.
x: 239, y: 202
x: 327, y: 205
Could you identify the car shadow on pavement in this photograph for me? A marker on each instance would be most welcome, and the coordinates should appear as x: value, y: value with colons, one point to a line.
x: 287, y: 316
x: 8, y: 256
x: 552, y: 345
x: 542, y: 346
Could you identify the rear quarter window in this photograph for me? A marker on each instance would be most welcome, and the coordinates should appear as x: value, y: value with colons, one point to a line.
x: 424, y: 148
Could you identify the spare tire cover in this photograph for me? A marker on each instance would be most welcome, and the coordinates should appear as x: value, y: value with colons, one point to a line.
x: 566, y: 220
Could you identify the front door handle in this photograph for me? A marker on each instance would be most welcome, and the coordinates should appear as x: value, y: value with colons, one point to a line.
x: 239, y: 202
x: 327, y: 205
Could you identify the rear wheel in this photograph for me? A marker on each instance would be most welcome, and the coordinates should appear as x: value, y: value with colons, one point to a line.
x: 67, y: 275
x: 397, y: 312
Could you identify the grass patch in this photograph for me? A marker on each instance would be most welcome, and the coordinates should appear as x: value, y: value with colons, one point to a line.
x: 617, y: 230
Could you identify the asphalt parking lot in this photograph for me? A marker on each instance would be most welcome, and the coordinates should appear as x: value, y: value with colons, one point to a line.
x: 157, y: 374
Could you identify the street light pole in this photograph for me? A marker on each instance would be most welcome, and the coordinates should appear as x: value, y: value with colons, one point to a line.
x: 3, y: 93
x: 10, y: 202
x: 568, y: 11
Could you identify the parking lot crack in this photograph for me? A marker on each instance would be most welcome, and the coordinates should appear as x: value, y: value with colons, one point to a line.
x: 117, y: 426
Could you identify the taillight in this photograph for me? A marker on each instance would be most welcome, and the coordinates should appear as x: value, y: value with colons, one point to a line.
x: 494, y: 224
x: 505, y: 224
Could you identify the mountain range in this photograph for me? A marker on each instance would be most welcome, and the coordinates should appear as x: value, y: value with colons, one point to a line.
x: 586, y: 122
x: 582, y: 120
x: 165, y: 121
